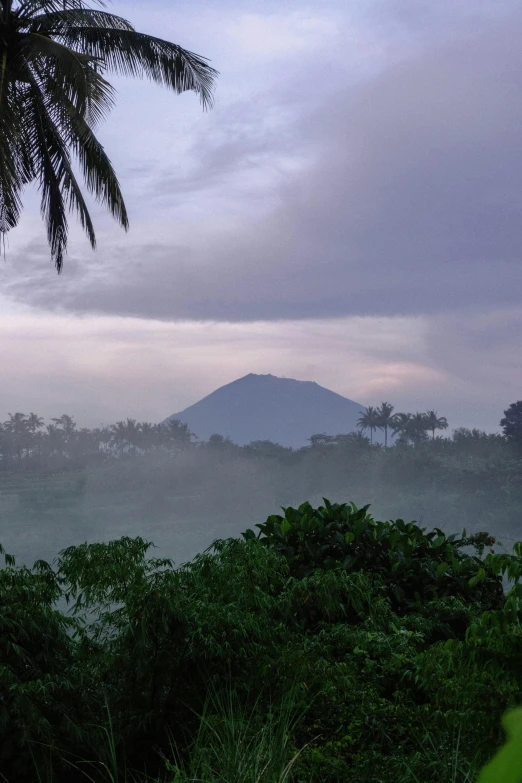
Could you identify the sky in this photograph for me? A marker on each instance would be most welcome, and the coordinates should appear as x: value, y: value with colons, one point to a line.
x: 349, y: 212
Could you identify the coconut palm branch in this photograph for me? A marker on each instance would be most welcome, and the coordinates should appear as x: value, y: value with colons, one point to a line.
x: 54, y: 57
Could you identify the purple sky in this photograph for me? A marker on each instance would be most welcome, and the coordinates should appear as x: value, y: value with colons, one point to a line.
x: 350, y: 212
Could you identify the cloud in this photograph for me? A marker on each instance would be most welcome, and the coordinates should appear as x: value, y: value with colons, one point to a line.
x: 406, y: 199
x: 103, y: 369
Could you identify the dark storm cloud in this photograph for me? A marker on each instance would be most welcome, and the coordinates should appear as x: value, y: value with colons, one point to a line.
x: 413, y: 205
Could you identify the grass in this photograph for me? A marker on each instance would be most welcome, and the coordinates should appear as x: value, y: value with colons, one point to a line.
x: 232, y: 745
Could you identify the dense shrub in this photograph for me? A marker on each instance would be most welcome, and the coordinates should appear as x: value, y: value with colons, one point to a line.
x: 397, y: 648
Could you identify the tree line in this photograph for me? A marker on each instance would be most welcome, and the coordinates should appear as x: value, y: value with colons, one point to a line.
x: 411, y: 427
x: 26, y: 441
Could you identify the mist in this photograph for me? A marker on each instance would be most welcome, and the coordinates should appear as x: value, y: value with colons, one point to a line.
x: 66, y: 486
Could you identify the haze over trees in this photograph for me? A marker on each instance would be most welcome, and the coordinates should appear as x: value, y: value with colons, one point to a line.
x: 56, y: 477
x: 54, y: 57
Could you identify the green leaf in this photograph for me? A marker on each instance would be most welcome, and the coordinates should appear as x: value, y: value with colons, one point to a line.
x: 286, y: 527
x: 506, y: 766
x: 349, y: 537
x: 442, y: 568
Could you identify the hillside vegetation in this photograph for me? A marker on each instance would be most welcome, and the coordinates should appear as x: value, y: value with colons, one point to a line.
x: 325, y: 646
x: 63, y: 485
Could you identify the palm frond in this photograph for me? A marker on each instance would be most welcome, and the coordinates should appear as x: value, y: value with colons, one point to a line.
x: 56, y: 22
x: 54, y: 55
x: 15, y: 165
x: 129, y: 53
x: 56, y: 177
x: 100, y: 177
x: 43, y: 52
x: 82, y: 84
x: 32, y: 7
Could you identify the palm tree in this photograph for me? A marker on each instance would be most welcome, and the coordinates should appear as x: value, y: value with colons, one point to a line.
x: 399, y: 425
x: 433, y: 422
x: 178, y: 433
x: 369, y: 420
x: 17, y: 428
x: 385, y: 418
x: 54, y: 55
x: 417, y: 428
x: 411, y: 426
x: 126, y: 435
x: 34, y: 423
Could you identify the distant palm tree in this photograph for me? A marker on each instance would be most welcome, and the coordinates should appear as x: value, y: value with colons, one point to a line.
x: 66, y: 424
x: 17, y: 427
x: 418, y: 427
x: 399, y: 424
x: 54, y: 55
x: 126, y: 435
x: 412, y: 427
x: 178, y: 433
x: 54, y: 442
x: 369, y: 420
x: 34, y: 423
x: 385, y: 419
x: 433, y: 422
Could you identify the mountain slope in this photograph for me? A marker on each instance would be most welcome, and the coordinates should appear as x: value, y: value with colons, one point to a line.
x: 264, y: 407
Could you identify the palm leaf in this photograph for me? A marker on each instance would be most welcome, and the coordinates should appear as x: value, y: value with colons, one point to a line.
x: 129, y: 53
x: 56, y: 22
x: 53, y: 58
x: 44, y: 53
x: 82, y: 84
x: 100, y: 177
x: 32, y: 7
x: 56, y: 177
x: 15, y: 165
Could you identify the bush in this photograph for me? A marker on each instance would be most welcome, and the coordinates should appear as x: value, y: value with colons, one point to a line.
x: 397, y: 648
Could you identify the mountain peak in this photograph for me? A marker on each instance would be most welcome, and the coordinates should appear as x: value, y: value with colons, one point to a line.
x: 266, y: 407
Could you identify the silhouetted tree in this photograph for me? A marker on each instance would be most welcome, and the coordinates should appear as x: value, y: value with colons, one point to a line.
x: 399, y: 424
x: 434, y: 422
x: 179, y: 434
x: 321, y: 440
x: 369, y: 420
x: 385, y: 419
x: 412, y: 427
x: 511, y: 423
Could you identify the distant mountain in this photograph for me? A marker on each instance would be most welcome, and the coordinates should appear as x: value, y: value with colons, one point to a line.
x: 263, y: 407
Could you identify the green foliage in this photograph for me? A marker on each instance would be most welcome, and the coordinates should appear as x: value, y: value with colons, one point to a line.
x: 331, y: 647
x: 506, y: 766
x: 414, y: 566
